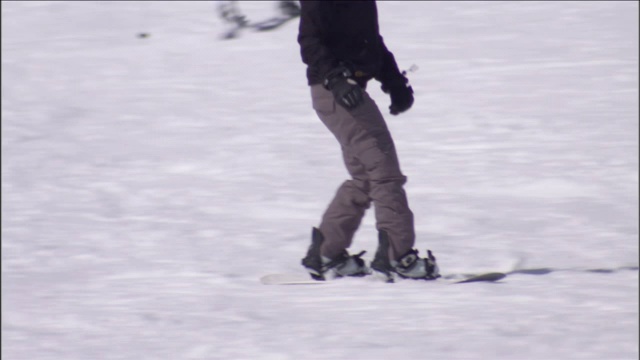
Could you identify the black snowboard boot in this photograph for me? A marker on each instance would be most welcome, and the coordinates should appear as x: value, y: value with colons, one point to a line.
x: 408, y: 266
x: 321, y: 267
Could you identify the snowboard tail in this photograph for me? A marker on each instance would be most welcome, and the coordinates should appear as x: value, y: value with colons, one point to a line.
x: 486, y: 277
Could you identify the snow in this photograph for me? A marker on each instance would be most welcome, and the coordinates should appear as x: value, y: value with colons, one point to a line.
x: 147, y: 184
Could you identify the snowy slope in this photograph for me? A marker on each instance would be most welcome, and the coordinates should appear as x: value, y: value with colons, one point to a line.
x: 147, y: 183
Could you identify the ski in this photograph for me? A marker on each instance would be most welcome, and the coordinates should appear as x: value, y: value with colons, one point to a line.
x: 264, y: 25
x: 232, y: 14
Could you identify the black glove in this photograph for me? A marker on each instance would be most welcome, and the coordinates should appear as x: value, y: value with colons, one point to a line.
x: 345, y: 90
x: 401, y: 96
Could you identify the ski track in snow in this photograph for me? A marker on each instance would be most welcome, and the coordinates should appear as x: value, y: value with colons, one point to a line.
x: 147, y: 183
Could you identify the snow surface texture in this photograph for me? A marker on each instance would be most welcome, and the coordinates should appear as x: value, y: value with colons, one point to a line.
x: 148, y: 182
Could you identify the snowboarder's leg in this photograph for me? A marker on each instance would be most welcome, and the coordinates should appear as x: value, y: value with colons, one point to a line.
x: 343, y: 264
x: 363, y: 135
x: 345, y: 212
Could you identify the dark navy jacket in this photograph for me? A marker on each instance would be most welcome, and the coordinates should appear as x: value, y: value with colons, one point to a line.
x: 334, y: 32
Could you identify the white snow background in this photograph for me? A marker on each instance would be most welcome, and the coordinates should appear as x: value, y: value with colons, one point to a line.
x: 148, y: 183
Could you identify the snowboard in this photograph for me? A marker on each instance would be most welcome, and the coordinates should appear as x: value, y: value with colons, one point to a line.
x: 303, y: 279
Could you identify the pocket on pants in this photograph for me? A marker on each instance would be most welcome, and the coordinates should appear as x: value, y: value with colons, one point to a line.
x: 323, y: 101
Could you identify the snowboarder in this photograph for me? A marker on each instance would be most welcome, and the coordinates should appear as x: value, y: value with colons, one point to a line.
x: 343, y: 50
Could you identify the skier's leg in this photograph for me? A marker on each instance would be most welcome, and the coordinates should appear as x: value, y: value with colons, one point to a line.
x: 230, y: 12
x: 289, y: 8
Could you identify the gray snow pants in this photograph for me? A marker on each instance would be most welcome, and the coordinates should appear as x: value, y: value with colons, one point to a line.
x: 370, y: 157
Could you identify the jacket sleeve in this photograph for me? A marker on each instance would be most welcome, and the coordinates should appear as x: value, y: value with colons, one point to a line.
x: 312, y: 36
x: 390, y: 75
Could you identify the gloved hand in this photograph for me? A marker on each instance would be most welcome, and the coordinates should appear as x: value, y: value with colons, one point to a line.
x: 345, y: 90
x: 401, y: 96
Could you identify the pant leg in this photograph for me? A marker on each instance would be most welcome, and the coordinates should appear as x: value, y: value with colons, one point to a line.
x: 345, y: 212
x: 364, y: 136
